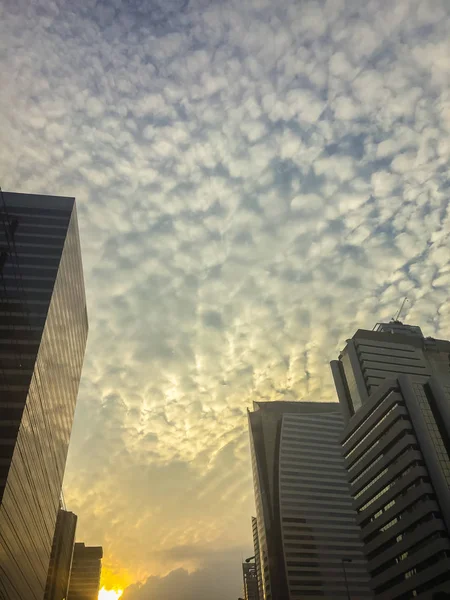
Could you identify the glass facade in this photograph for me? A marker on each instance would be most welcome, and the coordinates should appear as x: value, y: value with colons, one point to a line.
x: 43, y: 331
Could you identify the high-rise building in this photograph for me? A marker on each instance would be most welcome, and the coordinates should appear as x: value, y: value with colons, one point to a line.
x: 43, y: 330
x: 308, y: 538
x: 257, y: 556
x: 61, y: 556
x: 394, y: 388
x: 250, y: 581
x: 391, y: 349
x: 86, y: 570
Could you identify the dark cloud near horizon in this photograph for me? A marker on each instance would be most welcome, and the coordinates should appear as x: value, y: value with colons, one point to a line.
x: 215, y: 579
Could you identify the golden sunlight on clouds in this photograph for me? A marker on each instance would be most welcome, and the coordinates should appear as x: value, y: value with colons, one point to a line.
x: 114, y: 578
x: 109, y: 594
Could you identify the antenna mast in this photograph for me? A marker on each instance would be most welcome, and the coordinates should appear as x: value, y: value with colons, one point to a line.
x: 401, y: 308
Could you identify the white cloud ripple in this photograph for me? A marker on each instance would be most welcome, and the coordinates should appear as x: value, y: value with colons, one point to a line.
x: 255, y: 180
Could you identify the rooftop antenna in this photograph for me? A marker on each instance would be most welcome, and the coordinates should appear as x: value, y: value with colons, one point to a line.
x: 396, y: 318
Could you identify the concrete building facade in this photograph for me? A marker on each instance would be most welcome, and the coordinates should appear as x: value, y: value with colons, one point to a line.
x: 371, y: 357
x: 61, y: 556
x: 86, y: 571
x: 394, y: 389
x: 309, y: 541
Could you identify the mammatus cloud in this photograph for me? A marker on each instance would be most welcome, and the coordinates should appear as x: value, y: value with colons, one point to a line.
x: 255, y: 180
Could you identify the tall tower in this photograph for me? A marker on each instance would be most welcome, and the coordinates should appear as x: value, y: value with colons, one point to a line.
x: 250, y: 581
x: 257, y: 556
x: 61, y: 557
x: 393, y: 385
x: 86, y: 571
x: 43, y: 331
x: 309, y: 542
x: 371, y: 357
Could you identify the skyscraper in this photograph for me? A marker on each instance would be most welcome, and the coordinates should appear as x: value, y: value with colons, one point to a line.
x: 257, y: 556
x: 86, y: 570
x: 61, y: 556
x: 394, y: 388
x: 308, y: 539
x: 371, y: 357
x: 43, y: 330
x: 250, y: 581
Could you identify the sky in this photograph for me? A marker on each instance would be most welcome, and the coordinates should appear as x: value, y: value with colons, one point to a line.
x: 255, y: 180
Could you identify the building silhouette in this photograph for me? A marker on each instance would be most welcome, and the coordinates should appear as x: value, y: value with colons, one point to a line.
x: 43, y: 330
x: 257, y: 556
x: 61, y: 556
x: 86, y: 570
x: 309, y: 541
x: 394, y: 388
x: 250, y: 578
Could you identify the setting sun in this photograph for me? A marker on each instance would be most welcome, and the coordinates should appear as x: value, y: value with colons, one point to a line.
x: 109, y: 594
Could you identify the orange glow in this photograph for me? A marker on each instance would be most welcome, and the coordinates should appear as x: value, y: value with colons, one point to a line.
x: 114, y: 578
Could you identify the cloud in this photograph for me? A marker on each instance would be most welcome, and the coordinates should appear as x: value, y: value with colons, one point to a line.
x: 254, y: 182
x: 215, y: 580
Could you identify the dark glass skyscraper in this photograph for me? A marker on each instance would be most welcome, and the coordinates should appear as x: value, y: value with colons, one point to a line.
x: 43, y: 331
x: 308, y: 539
x: 394, y: 388
x: 86, y: 571
x: 61, y: 557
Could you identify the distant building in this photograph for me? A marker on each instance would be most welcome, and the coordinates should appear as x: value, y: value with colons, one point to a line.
x: 61, y: 557
x: 308, y: 538
x: 250, y: 581
x: 394, y: 388
x: 257, y: 556
x: 43, y: 331
x: 86, y: 570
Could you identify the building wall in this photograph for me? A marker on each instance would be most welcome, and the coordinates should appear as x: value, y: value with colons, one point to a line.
x: 250, y: 581
x: 61, y: 556
x: 295, y: 454
x: 86, y: 570
x: 371, y: 357
x: 257, y: 555
x: 262, y: 508
x: 394, y: 454
x: 318, y: 520
x: 381, y: 359
x: 42, y: 341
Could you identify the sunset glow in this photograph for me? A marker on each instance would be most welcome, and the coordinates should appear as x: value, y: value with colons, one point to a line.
x: 105, y: 594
